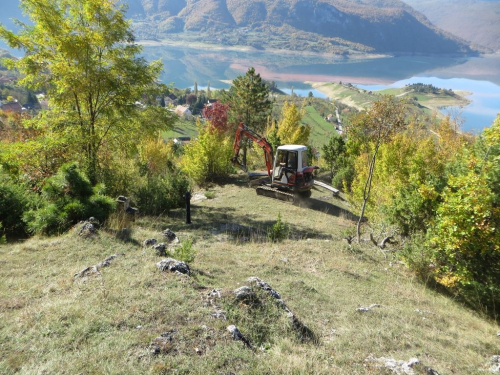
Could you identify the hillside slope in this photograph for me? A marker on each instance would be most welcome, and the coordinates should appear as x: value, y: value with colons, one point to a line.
x: 130, y: 318
x: 473, y: 20
x: 338, y: 26
x: 376, y: 26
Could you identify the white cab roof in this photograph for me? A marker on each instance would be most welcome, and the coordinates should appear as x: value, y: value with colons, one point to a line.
x: 292, y: 147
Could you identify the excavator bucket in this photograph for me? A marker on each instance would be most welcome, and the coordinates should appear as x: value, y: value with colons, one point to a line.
x: 237, y: 163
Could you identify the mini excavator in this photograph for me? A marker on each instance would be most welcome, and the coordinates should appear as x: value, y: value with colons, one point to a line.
x: 288, y: 175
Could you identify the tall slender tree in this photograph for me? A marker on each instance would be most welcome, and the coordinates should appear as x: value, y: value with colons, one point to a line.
x: 386, y: 117
x: 82, y: 53
x: 249, y: 102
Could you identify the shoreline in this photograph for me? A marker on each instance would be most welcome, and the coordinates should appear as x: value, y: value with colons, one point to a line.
x: 243, y: 48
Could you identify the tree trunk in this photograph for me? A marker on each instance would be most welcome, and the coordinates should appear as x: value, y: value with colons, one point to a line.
x: 366, y: 192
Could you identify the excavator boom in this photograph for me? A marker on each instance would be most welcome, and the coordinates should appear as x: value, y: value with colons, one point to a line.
x: 261, y: 141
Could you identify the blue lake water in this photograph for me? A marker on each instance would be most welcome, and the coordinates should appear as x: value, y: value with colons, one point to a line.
x: 482, y: 111
x: 480, y: 76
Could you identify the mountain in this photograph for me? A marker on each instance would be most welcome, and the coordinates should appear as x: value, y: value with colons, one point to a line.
x: 473, y: 20
x: 381, y: 26
x: 333, y: 26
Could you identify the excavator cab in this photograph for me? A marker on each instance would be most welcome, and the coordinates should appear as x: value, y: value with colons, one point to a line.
x: 291, y: 170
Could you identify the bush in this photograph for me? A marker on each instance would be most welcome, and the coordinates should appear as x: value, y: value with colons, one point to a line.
x: 207, y: 158
x: 14, y: 202
x: 67, y: 198
x: 278, y: 231
x: 161, y: 193
x: 185, y: 252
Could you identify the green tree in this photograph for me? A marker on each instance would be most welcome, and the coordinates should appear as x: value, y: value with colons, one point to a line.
x: 83, y: 54
x: 370, y: 130
x: 249, y: 103
x: 334, y: 153
x: 290, y: 130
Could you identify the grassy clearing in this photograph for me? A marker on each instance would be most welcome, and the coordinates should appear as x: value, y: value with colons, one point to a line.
x: 52, y: 323
x: 362, y: 99
x: 321, y: 130
x: 182, y: 128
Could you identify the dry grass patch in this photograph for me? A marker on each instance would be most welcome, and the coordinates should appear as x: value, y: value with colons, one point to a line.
x: 105, y: 322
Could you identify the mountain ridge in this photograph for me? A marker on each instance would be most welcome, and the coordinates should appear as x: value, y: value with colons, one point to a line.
x: 380, y: 26
x: 327, y: 26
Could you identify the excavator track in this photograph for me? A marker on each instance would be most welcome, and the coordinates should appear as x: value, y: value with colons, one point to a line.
x: 275, y: 193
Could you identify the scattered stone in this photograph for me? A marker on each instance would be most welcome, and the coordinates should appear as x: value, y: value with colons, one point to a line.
x: 494, y: 365
x: 197, y: 197
x: 265, y: 286
x: 160, y: 249
x: 305, y: 332
x: 238, y: 336
x: 219, y: 314
x: 170, y: 236
x: 163, y: 343
x: 150, y: 242
x: 95, y: 269
x: 88, y: 228
x: 173, y: 265
x: 212, y: 295
x: 365, y: 309
x: 244, y: 293
x: 397, y: 367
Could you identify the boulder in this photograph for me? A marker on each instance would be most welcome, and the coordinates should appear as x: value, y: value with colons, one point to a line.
x: 173, y: 265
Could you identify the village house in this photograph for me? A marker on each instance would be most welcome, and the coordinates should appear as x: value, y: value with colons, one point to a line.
x: 12, y: 107
x: 183, y: 112
x: 170, y: 99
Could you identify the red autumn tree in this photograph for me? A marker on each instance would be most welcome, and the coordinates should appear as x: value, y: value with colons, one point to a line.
x: 216, y: 114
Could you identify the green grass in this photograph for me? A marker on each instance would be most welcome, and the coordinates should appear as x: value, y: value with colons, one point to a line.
x: 321, y: 130
x: 52, y: 323
x: 182, y: 128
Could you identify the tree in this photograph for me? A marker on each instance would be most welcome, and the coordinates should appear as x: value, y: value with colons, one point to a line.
x: 290, y: 130
x: 249, y: 102
x: 334, y: 153
x: 372, y: 129
x: 216, y: 114
x: 83, y: 54
x: 196, y: 88
x: 208, y: 90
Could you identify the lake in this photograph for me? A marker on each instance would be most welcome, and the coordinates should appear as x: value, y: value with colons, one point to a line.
x: 479, y: 76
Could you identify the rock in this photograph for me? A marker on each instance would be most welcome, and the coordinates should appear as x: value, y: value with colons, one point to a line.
x: 87, y: 229
x: 365, y: 309
x: 265, y: 286
x: 160, y: 249
x: 150, y: 242
x: 397, y: 367
x: 494, y: 365
x: 238, y: 336
x: 169, y: 236
x: 163, y: 343
x: 173, y: 265
x: 244, y: 293
x: 219, y: 314
x: 95, y: 269
x: 498, y: 334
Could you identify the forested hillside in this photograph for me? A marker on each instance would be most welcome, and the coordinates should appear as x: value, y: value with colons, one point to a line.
x: 476, y: 21
x: 325, y: 26
x: 334, y: 26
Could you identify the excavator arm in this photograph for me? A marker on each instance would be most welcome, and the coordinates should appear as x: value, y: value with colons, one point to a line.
x: 244, y: 130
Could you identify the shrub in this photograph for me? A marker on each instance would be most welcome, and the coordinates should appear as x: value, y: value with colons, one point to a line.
x: 207, y: 158
x: 14, y: 201
x: 161, y: 193
x: 278, y: 231
x: 185, y: 252
x: 68, y: 197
